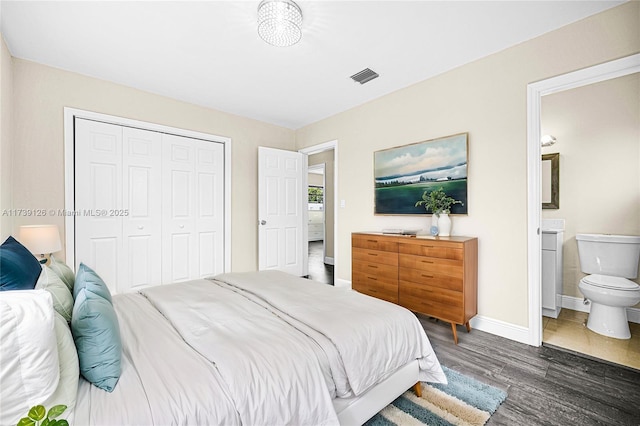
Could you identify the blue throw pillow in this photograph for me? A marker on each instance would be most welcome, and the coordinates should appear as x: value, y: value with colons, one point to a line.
x: 96, y: 332
x: 87, y: 278
x: 19, y: 269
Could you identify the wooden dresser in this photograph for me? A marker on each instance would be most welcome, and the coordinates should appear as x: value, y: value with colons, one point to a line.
x: 434, y: 276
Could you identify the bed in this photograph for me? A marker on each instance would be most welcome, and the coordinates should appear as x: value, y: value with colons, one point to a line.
x: 258, y: 348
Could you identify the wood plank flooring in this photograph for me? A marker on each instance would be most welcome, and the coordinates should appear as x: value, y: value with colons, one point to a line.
x: 545, y: 385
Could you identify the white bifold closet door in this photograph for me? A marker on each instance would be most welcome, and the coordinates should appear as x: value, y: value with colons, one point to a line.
x: 149, y: 206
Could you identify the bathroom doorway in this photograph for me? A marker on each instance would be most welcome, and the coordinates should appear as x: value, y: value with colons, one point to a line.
x: 597, y: 132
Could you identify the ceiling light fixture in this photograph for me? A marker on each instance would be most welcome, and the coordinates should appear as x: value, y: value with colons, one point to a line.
x: 279, y: 22
x: 547, y: 140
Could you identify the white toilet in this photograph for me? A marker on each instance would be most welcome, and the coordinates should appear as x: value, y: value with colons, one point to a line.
x: 611, y: 259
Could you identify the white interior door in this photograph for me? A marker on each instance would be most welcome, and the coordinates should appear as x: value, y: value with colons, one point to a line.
x: 142, y: 205
x: 209, y: 187
x: 150, y: 206
x: 282, y: 231
x: 98, y: 192
x: 178, y: 207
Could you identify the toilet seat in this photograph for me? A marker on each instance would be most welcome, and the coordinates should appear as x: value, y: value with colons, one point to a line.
x: 609, y: 282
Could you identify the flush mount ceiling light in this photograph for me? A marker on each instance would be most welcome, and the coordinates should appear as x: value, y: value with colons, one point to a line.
x: 547, y: 140
x: 279, y: 22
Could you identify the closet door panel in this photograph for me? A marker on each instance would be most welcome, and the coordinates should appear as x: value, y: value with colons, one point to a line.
x: 179, y: 247
x: 142, y: 208
x: 98, y: 193
x: 209, y: 207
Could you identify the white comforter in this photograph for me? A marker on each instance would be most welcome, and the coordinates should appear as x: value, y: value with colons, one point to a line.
x: 261, y: 348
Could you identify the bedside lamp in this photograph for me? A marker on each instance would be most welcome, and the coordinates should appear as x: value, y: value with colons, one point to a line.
x: 40, y: 240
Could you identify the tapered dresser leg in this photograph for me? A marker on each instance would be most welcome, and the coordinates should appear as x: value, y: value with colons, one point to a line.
x: 468, y: 325
x: 455, y: 333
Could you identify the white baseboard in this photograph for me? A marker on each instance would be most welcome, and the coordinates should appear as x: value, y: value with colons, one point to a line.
x: 501, y: 328
x: 576, y: 304
x: 328, y: 260
x: 338, y: 282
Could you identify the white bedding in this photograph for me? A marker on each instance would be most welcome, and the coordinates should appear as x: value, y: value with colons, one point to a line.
x: 253, y: 348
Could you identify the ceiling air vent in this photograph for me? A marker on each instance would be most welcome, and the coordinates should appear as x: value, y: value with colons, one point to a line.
x: 365, y: 75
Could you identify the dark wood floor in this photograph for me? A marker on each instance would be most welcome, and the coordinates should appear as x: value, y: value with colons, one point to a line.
x: 545, y: 386
x: 318, y: 270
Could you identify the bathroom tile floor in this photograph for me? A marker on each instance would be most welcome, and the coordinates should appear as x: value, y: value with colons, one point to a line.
x: 569, y: 331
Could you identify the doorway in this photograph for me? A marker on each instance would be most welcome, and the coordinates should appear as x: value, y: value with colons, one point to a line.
x: 322, y: 167
x: 536, y: 126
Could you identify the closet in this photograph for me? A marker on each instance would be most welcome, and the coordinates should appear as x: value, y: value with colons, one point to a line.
x: 149, y: 206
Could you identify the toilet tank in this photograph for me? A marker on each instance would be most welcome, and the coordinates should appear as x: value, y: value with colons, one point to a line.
x: 604, y: 254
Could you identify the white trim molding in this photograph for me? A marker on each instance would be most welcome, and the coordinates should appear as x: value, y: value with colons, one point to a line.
x: 535, y: 92
x: 328, y: 260
x: 338, y: 282
x: 500, y: 328
x: 70, y: 114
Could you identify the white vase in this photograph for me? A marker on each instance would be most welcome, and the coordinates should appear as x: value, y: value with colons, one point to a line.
x: 444, y: 225
x: 434, y: 225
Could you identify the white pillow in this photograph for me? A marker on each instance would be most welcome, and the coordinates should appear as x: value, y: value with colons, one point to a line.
x: 29, y: 368
x: 67, y: 389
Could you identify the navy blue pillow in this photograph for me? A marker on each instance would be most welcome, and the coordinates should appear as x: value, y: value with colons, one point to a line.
x: 19, y: 269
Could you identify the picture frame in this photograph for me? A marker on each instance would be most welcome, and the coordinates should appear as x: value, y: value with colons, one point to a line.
x: 402, y: 174
x: 550, y: 181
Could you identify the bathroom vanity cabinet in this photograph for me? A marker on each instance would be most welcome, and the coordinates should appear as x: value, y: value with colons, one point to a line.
x: 552, y: 272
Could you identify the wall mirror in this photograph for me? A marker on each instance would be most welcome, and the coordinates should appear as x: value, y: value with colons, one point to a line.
x: 551, y: 181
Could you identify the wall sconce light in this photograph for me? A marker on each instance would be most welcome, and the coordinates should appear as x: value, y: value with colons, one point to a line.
x: 40, y: 240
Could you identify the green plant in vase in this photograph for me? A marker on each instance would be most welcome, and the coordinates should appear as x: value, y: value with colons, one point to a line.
x: 439, y: 203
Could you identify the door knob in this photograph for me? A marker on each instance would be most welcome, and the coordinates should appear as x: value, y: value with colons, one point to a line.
x: 263, y: 222
x: 140, y: 227
x: 181, y: 226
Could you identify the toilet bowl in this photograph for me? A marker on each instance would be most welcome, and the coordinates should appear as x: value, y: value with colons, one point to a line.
x: 611, y: 260
x: 610, y: 297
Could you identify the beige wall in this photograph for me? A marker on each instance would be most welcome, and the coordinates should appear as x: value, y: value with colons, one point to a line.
x: 41, y: 93
x: 326, y: 157
x: 598, y: 133
x: 6, y: 128
x: 486, y: 98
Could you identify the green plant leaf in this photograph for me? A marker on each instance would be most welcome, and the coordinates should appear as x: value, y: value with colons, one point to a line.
x: 37, y: 412
x: 26, y: 421
x: 46, y: 422
x: 61, y: 422
x: 55, y: 411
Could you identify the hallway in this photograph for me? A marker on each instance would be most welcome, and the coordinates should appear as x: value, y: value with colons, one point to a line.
x: 318, y: 270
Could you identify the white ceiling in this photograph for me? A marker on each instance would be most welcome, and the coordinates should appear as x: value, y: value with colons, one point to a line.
x: 208, y: 52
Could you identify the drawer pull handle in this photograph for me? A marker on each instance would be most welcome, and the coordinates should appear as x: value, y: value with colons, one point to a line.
x: 427, y: 261
x: 373, y: 254
x: 372, y: 241
x: 373, y: 266
x: 373, y: 279
x: 427, y: 276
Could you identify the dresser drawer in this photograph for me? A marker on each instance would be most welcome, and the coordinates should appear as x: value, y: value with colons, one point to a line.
x: 374, y: 256
x: 436, y: 302
x: 432, y: 264
x: 432, y: 308
x: 374, y: 242
x: 376, y: 287
x: 431, y: 293
x: 441, y: 249
x: 434, y: 279
x: 375, y: 269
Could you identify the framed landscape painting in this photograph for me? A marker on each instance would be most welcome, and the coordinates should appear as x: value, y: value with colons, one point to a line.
x: 402, y: 175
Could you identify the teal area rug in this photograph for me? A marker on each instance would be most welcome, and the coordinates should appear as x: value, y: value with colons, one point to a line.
x: 464, y: 401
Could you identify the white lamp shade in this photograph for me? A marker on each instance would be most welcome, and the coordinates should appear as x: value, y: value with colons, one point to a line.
x: 40, y: 239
